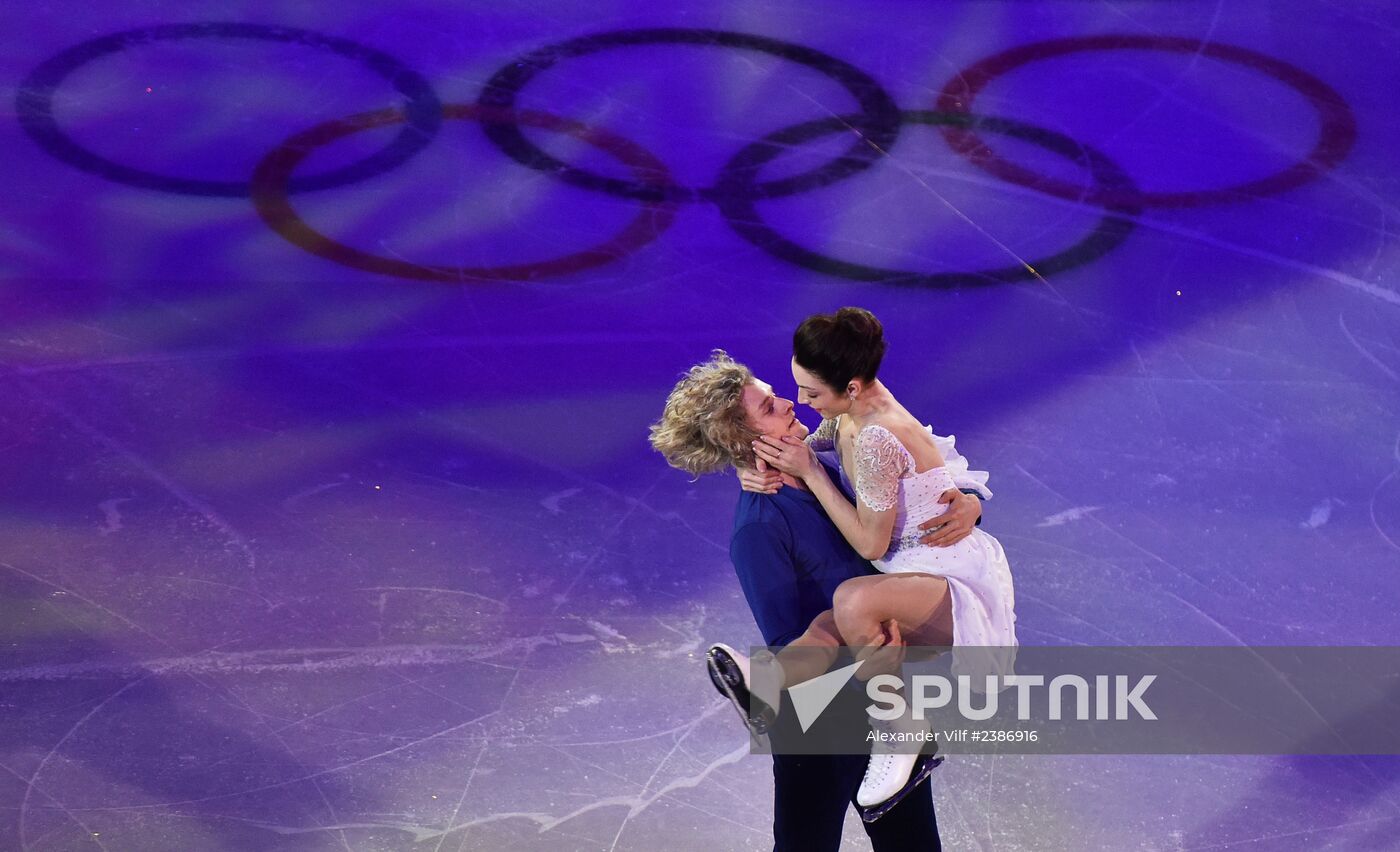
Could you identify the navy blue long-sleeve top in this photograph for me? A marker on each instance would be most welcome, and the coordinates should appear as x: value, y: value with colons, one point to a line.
x: 790, y: 558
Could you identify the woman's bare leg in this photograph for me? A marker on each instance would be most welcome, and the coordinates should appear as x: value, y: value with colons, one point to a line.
x: 811, y: 654
x: 863, y: 605
x: 920, y: 603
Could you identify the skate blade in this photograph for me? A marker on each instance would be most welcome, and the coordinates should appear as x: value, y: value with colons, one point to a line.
x: 756, y: 724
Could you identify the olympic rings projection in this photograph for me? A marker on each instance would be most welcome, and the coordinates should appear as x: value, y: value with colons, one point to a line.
x: 273, y: 174
x: 34, y: 105
x: 878, y: 121
x: 1335, y: 137
x: 738, y: 190
x: 1113, y: 228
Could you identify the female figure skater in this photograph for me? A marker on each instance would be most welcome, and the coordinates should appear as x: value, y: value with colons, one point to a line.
x: 925, y: 595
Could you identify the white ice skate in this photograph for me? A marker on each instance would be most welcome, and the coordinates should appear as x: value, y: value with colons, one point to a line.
x: 895, y: 770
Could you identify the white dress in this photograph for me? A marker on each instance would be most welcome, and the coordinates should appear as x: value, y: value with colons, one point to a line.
x: 979, y: 578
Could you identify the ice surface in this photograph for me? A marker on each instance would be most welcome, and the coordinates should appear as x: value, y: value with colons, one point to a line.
x: 300, y: 552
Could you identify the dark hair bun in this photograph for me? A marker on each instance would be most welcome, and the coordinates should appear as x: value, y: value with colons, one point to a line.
x: 860, y: 325
x: 839, y: 347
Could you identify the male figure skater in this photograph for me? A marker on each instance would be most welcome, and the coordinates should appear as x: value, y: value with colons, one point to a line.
x: 790, y: 558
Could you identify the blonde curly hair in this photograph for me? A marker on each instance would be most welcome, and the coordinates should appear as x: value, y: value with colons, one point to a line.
x: 704, y: 427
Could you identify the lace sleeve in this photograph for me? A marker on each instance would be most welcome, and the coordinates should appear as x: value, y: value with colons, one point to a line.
x: 881, y: 461
x: 825, y: 436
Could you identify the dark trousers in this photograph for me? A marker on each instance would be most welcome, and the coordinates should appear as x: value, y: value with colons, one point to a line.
x: 811, y: 793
